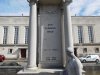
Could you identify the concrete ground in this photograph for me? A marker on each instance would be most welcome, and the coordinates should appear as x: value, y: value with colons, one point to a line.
x: 88, y: 67
x: 23, y: 62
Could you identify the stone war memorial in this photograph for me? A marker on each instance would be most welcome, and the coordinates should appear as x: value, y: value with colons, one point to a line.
x: 50, y: 40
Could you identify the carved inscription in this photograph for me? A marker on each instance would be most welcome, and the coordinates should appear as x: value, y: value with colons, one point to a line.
x: 50, y: 12
x: 50, y: 28
x: 51, y: 59
x: 50, y: 49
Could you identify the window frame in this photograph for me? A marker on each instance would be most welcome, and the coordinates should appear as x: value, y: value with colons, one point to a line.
x: 16, y: 35
x: 80, y: 34
x: 5, y: 35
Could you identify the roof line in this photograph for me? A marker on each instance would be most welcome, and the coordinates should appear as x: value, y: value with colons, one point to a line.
x: 28, y: 16
x: 14, y: 16
x: 85, y: 16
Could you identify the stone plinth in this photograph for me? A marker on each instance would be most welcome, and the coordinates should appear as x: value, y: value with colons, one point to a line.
x: 41, y: 72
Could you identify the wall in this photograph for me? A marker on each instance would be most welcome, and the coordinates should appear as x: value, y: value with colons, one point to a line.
x: 22, y: 21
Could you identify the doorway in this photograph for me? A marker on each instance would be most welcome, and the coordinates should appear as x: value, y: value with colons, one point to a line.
x: 23, y: 53
x: 75, y: 51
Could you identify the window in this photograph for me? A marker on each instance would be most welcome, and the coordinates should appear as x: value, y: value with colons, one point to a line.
x: 26, y: 35
x: 84, y: 50
x: 9, y: 51
x: 88, y: 57
x: 96, y: 50
x: 5, y: 35
x: 80, y: 34
x: 90, y: 33
x: 16, y: 35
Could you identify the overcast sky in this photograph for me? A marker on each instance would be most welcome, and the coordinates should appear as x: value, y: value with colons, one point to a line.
x: 77, y: 7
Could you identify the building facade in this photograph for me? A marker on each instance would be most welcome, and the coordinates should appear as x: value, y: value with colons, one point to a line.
x: 86, y: 35
x: 14, y: 35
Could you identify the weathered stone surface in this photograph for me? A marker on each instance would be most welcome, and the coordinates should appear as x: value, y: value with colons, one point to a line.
x: 48, y: 40
x: 41, y: 72
x: 50, y: 37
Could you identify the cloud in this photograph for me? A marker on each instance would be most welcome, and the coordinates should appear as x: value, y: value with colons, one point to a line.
x: 85, y: 7
x: 92, y: 8
x: 14, y: 7
x: 77, y: 7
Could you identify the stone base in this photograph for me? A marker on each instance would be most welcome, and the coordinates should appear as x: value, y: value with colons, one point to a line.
x: 41, y: 72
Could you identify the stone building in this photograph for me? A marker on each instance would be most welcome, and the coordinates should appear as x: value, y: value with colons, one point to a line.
x: 14, y: 35
x: 86, y: 35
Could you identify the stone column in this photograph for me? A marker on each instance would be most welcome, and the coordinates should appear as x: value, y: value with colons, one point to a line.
x: 74, y: 66
x: 32, y: 44
x: 68, y: 27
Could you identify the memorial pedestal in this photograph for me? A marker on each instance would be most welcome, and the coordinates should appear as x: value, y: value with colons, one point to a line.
x: 50, y: 36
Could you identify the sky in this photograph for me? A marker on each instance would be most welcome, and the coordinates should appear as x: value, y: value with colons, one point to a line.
x: 77, y: 7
